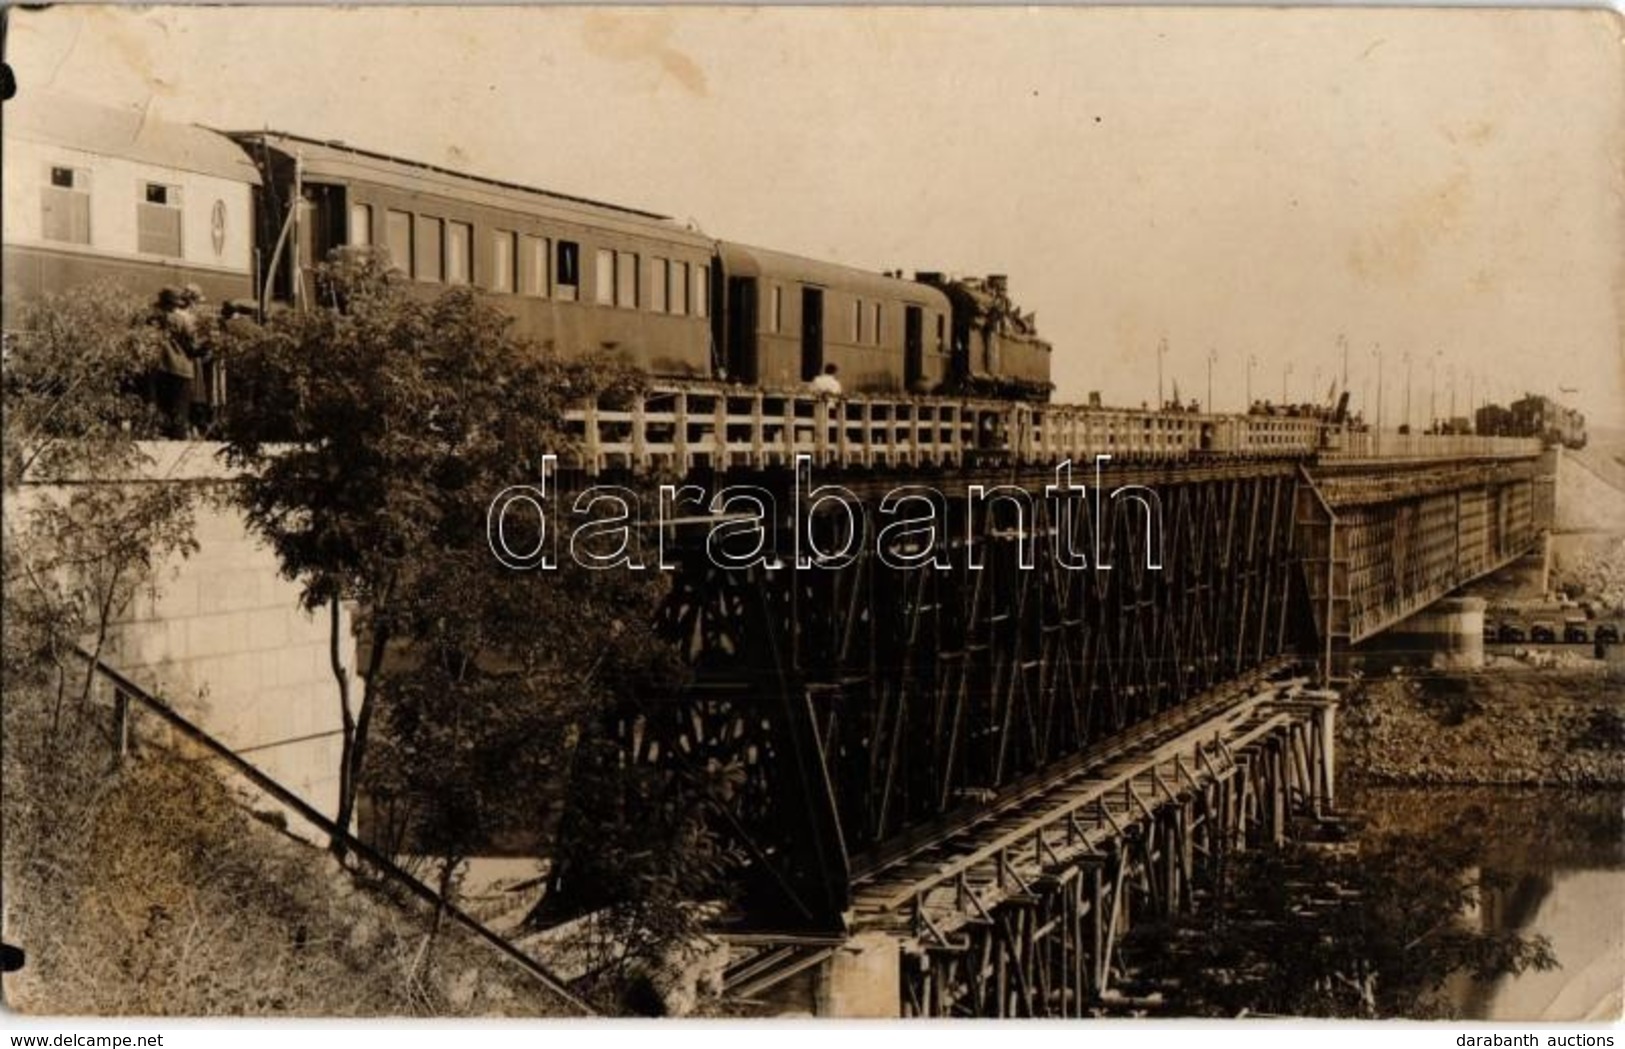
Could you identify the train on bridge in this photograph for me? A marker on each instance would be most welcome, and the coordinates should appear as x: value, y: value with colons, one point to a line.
x: 1534, y: 416
x: 911, y: 746
x: 94, y: 192
x: 929, y: 368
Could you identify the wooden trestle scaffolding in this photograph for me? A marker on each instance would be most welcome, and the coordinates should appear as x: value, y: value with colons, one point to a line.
x: 1021, y: 915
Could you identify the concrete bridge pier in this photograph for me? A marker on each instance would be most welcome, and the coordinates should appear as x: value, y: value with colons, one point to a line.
x: 862, y: 979
x: 1450, y: 631
x: 1024, y: 914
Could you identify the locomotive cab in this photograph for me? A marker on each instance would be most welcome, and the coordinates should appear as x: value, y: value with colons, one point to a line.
x: 997, y: 351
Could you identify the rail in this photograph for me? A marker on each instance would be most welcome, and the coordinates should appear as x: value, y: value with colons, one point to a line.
x: 683, y: 427
x: 1368, y: 445
x: 126, y: 691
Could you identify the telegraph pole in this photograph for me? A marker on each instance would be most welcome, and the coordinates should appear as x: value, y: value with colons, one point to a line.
x: 1433, y: 388
x: 1162, y: 351
x: 298, y: 246
x: 1407, y: 390
x: 1376, y: 350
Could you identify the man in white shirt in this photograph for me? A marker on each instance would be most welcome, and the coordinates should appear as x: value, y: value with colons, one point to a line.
x: 827, y: 384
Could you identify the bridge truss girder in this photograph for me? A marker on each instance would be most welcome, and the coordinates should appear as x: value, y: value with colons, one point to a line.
x: 1379, y: 547
x: 869, y: 708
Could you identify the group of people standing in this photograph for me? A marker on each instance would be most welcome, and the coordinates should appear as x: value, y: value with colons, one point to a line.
x: 187, y: 385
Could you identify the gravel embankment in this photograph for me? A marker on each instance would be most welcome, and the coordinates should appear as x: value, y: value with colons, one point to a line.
x: 1553, y: 727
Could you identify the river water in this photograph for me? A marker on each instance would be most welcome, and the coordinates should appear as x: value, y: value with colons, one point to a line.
x: 1557, y: 861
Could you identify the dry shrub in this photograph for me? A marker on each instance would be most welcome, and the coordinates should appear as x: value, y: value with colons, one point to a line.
x: 147, y: 890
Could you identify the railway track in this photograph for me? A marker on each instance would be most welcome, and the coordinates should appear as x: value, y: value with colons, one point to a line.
x: 946, y: 853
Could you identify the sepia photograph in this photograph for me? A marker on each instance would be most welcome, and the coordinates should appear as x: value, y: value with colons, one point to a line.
x: 573, y: 513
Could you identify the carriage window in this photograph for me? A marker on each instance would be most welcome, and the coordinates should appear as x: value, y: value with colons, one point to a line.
x: 875, y: 334
x: 604, y: 286
x: 776, y: 313
x: 533, y: 269
x: 428, y: 242
x: 659, y: 279
x: 942, y: 333
x: 65, y: 206
x: 568, y: 274
x: 459, y: 235
x: 702, y: 290
x: 504, y: 256
x: 360, y: 225
x: 158, y: 220
x: 857, y: 321
x: 398, y: 239
x: 679, y: 288
x: 626, y: 279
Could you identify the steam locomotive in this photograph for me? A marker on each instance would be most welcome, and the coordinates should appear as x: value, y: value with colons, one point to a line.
x: 1534, y: 416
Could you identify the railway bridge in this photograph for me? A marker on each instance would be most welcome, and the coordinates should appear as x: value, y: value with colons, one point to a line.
x: 971, y: 749
x: 1102, y: 653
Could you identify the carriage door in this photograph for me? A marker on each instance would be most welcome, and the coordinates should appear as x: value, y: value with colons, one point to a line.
x: 742, y: 330
x: 812, y: 332
x: 913, y: 348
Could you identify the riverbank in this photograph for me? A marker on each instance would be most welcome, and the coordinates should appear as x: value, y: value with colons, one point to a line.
x: 1546, y: 863
x: 1548, y: 727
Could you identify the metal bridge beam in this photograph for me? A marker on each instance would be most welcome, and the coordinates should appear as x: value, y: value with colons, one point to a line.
x: 1027, y: 917
x: 870, y: 707
x: 867, y: 711
x: 1381, y: 543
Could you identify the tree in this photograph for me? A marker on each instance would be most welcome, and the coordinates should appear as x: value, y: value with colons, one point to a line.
x: 87, y: 534
x: 82, y: 535
x: 374, y: 431
x: 1303, y: 931
x: 504, y: 677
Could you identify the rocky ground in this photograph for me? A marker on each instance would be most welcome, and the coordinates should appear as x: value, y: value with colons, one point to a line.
x: 1554, y: 727
x: 1591, y: 568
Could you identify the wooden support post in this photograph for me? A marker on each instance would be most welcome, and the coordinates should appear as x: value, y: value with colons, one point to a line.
x: 843, y: 449
x: 1277, y: 790
x: 592, y: 438
x: 679, y: 437
x: 121, y: 726
x: 640, y: 436
x: 720, y: 456
x: 758, y: 432
x: 1326, y: 723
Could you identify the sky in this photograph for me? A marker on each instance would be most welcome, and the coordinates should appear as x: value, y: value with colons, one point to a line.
x: 1440, y: 186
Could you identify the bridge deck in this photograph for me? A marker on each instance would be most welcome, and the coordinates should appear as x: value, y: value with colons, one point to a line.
x: 939, y: 888
x: 690, y: 426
